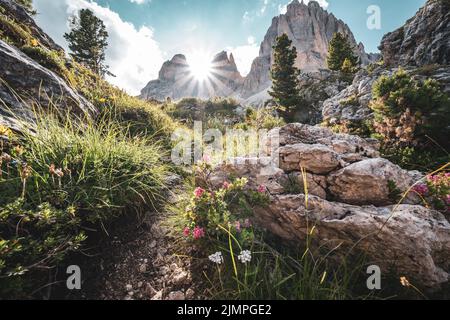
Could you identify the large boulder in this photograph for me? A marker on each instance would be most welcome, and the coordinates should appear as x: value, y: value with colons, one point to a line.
x: 18, y: 13
x: 410, y: 240
x: 370, y: 181
x: 315, y: 158
x: 34, y: 86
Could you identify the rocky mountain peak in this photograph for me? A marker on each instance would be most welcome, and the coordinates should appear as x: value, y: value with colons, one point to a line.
x: 310, y: 27
x: 176, y: 81
x: 173, y: 68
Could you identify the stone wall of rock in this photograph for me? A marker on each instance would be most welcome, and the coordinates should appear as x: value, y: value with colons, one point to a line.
x: 26, y: 84
x: 423, y: 40
x: 351, y: 201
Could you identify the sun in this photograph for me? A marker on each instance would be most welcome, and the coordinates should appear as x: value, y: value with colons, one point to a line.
x: 200, y: 65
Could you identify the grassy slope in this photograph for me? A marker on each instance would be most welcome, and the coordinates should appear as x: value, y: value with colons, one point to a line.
x: 70, y: 175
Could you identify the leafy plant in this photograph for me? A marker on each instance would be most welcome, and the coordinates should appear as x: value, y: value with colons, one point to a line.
x: 411, y: 115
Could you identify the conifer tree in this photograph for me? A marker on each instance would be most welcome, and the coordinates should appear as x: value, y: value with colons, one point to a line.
x: 284, y: 74
x: 88, y: 41
x: 339, y: 51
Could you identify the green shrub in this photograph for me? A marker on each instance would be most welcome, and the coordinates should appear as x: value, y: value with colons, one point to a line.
x: 411, y: 115
x: 351, y: 101
x: 32, y: 240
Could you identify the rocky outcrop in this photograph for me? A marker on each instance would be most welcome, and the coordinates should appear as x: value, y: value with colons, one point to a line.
x: 350, y: 195
x: 25, y: 84
x: 423, y: 40
x: 352, y: 103
x: 176, y: 80
x: 310, y: 28
x: 170, y: 81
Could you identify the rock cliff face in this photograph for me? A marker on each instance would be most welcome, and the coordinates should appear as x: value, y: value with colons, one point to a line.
x: 349, y: 202
x: 424, y: 39
x: 177, y: 81
x: 310, y: 28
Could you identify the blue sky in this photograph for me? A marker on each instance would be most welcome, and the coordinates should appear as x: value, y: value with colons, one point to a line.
x: 223, y: 21
x: 146, y: 32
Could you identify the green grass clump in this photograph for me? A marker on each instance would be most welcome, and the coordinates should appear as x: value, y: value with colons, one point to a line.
x: 13, y: 32
x: 62, y: 178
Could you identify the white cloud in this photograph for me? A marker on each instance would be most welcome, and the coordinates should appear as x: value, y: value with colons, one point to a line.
x: 132, y: 54
x: 245, y: 54
x: 138, y: 1
x: 247, y: 17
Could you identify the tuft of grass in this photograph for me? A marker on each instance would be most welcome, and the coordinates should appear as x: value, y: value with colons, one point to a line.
x: 65, y: 177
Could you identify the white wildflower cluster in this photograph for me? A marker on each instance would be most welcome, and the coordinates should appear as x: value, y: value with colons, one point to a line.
x: 216, y: 258
x: 245, y: 256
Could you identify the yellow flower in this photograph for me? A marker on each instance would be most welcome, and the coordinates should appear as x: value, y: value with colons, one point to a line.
x: 19, y: 150
x: 34, y: 43
x: 102, y: 100
x: 72, y: 211
x: 5, y: 131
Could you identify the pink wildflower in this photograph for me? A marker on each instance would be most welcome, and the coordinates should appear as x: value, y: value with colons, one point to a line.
x: 421, y: 189
x: 447, y: 199
x: 186, y: 232
x: 199, y: 192
x: 198, y: 233
x: 226, y: 185
x: 261, y: 189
